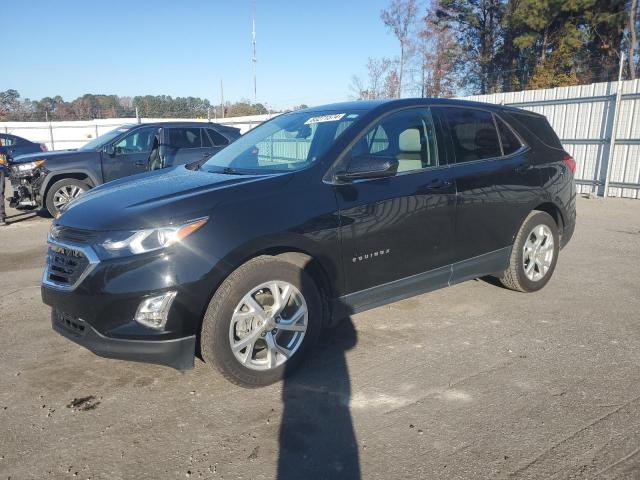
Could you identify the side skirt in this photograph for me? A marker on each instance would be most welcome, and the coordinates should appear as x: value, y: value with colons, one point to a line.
x: 486, y: 264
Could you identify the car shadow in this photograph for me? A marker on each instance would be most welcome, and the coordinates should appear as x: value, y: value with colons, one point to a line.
x: 492, y: 280
x: 317, y: 439
x: 22, y: 216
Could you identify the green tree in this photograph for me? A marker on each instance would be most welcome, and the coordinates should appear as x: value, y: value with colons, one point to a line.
x: 478, y: 28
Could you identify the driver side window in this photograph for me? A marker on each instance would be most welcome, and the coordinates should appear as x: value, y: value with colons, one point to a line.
x: 139, y: 141
x: 408, y: 135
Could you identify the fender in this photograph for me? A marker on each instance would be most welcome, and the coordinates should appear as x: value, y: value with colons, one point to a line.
x: 288, y: 242
x: 94, y: 179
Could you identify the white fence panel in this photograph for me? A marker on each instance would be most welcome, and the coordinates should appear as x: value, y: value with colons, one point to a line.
x: 583, y: 117
x: 73, y: 134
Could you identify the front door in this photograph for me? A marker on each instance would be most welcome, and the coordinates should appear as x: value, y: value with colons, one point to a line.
x: 131, y: 154
x: 401, y: 226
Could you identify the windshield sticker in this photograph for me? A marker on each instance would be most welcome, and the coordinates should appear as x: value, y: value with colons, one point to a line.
x: 325, y: 118
x: 123, y: 129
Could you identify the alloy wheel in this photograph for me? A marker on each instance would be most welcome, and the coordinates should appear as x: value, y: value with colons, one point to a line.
x: 538, y: 251
x: 65, y: 194
x: 268, y: 325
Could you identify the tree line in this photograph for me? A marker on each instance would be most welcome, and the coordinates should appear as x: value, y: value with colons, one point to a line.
x: 465, y: 47
x: 89, y: 106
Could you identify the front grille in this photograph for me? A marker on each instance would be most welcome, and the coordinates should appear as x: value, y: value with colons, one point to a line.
x: 65, y: 265
x: 74, y: 235
x: 71, y: 324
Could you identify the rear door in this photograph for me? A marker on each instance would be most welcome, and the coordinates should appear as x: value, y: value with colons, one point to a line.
x: 394, y: 228
x: 131, y: 154
x: 184, y: 145
x: 496, y: 185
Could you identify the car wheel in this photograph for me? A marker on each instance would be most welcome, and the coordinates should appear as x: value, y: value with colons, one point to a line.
x: 261, y: 321
x: 62, y: 192
x: 534, y: 254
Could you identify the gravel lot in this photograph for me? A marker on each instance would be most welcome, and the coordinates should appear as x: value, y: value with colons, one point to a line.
x: 473, y: 381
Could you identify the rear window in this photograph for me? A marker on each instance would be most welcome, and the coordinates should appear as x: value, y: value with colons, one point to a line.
x: 540, y: 127
x: 473, y: 133
x: 7, y: 141
x: 510, y: 142
x: 184, y: 137
x: 217, y: 139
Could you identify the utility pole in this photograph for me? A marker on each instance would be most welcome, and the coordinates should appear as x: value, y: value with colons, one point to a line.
x: 254, y: 60
x: 614, y: 129
x: 221, y: 100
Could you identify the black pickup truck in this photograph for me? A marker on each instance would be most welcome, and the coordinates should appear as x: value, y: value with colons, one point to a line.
x: 53, y: 179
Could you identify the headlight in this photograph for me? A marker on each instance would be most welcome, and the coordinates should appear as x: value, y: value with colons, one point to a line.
x: 142, y: 241
x: 23, y: 167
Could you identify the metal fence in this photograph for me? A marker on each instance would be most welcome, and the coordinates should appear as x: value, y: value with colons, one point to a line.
x: 599, y: 125
x: 59, y: 135
x: 604, y: 142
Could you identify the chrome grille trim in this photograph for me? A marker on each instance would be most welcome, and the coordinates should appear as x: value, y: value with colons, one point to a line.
x: 72, y: 235
x: 85, y: 250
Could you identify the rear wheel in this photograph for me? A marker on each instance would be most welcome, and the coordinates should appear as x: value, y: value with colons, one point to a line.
x: 62, y: 192
x: 261, y: 321
x: 534, y: 254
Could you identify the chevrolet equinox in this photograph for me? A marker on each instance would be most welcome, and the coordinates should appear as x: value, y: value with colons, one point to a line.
x: 310, y: 217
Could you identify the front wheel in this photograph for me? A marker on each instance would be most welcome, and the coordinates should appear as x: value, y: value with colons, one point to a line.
x: 261, y: 321
x: 534, y: 254
x: 62, y: 192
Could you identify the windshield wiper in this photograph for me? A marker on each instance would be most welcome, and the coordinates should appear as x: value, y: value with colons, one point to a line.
x: 232, y: 171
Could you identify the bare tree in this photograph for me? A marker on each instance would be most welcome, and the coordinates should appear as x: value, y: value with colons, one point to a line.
x: 399, y: 18
x: 381, y: 80
x: 439, y: 53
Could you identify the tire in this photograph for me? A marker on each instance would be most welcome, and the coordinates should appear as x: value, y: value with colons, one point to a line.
x: 220, y: 327
x: 71, y: 185
x: 526, y: 272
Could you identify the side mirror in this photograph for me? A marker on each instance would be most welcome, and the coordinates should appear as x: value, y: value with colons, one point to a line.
x: 110, y: 150
x: 368, y: 166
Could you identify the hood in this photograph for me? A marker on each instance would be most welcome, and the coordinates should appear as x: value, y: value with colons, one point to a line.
x: 160, y: 198
x: 48, y: 156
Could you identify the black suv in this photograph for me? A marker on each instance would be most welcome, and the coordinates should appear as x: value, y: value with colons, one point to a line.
x: 55, y: 178
x: 310, y: 217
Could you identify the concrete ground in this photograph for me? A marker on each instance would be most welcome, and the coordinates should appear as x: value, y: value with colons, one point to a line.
x: 473, y: 381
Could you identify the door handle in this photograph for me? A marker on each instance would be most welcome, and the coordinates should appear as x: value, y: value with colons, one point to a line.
x: 140, y: 164
x: 438, y: 184
x: 523, y: 168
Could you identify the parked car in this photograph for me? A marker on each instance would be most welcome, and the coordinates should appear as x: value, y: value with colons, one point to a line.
x: 12, y: 146
x: 309, y: 217
x: 53, y: 179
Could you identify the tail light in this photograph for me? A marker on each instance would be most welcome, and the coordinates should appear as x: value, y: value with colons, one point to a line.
x: 570, y: 162
x: 43, y: 147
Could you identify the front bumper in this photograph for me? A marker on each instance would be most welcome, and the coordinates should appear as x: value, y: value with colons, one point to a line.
x: 177, y: 353
x: 26, y: 188
x: 103, y: 300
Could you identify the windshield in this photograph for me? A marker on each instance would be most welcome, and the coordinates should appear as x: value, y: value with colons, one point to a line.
x: 289, y: 142
x: 102, y: 140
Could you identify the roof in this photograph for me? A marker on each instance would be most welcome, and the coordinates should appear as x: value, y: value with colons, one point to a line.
x: 175, y: 123
x: 366, y: 105
x: 183, y: 123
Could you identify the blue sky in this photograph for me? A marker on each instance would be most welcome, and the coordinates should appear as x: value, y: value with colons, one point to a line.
x: 307, y: 50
